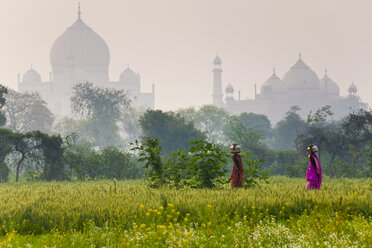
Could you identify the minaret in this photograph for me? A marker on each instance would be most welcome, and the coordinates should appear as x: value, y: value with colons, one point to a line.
x: 217, y: 82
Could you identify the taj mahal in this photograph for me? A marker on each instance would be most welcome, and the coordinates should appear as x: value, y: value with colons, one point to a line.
x: 80, y: 55
x: 300, y: 86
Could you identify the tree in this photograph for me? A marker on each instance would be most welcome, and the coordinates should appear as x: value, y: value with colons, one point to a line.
x: 344, y: 143
x: 287, y: 129
x: 150, y: 154
x: 45, y: 150
x: 82, y: 127
x: 212, y: 121
x: 3, y: 91
x: 130, y: 123
x: 172, y: 130
x: 27, y: 112
x: 257, y: 121
x: 103, y: 107
x: 6, y: 140
x: 109, y: 163
x: 207, y: 162
x: 320, y: 115
x: 248, y: 137
x: 187, y: 113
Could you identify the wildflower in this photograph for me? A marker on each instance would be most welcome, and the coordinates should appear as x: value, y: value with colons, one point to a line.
x: 143, y: 225
x: 142, y: 206
x: 161, y: 226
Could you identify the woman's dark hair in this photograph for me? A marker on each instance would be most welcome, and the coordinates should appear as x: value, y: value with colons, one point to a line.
x: 311, y: 158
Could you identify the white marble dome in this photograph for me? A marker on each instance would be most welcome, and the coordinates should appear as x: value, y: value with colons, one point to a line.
x: 31, y: 76
x: 80, y: 46
x: 301, y: 76
x: 329, y: 86
x: 273, y: 84
x: 128, y: 75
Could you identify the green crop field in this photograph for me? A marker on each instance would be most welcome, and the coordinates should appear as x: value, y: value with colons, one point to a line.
x: 130, y: 214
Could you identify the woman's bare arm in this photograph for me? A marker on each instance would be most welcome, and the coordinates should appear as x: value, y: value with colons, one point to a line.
x: 317, y: 167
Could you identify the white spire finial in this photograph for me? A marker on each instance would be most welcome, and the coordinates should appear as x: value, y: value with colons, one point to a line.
x: 325, y: 71
x: 300, y: 55
x: 79, y: 12
x: 273, y: 69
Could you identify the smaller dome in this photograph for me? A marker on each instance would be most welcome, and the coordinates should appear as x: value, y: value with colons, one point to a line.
x: 353, y: 89
x: 128, y: 75
x: 273, y: 84
x: 328, y: 85
x: 229, y: 88
x: 217, y: 60
x: 31, y: 76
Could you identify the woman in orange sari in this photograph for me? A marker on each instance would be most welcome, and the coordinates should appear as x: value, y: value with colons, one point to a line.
x: 237, y: 171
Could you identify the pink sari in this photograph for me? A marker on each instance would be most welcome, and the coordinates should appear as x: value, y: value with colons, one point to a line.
x: 313, y: 179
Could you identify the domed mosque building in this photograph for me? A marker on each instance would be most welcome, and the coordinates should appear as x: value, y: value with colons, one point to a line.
x: 300, y: 86
x: 80, y: 55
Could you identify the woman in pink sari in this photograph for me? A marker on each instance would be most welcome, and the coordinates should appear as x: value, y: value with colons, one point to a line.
x: 314, y: 170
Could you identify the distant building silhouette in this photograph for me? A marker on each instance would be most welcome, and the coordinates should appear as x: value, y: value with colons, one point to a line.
x: 300, y: 86
x: 80, y: 55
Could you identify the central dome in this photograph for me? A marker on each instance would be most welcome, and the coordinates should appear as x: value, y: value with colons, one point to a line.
x: 301, y: 76
x: 80, y: 46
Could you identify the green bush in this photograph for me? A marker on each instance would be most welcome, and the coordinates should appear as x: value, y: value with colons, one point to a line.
x: 87, y: 163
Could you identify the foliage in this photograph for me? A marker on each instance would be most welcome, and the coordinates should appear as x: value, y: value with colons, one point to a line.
x: 103, y: 108
x: 3, y: 92
x: 212, y: 121
x: 130, y: 123
x: 6, y: 137
x: 201, y: 167
x: 27, y: 112
x: 248, y: 137
x: 54, y: 164
x: 37, y: 147
x: 343, y: 144
x: 187, y: 113
x: 287, y: 129
x: 172, y: 131
x: 258, y: 122
x: 128, y: 214
x: 150, y: 154
x: 206, y: 163
x: 320, y: 115
x: 252, y: 174
x: 87, y: 163
x: 177, y: 169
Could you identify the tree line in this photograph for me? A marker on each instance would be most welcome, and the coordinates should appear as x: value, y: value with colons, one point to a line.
x: 95, y: 142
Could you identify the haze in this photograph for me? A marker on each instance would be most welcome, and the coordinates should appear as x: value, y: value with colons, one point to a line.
x: 172, y: 43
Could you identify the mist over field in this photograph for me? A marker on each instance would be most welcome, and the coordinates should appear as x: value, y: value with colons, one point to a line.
x: 185, y: 123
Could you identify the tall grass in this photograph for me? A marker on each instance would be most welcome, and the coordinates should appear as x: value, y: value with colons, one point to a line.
x: 123, y: 208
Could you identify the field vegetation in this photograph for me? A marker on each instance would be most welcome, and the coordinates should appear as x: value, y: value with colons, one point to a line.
x: 113, y: 213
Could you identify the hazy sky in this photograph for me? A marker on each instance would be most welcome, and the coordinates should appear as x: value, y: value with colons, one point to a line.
x: 172, y: 43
